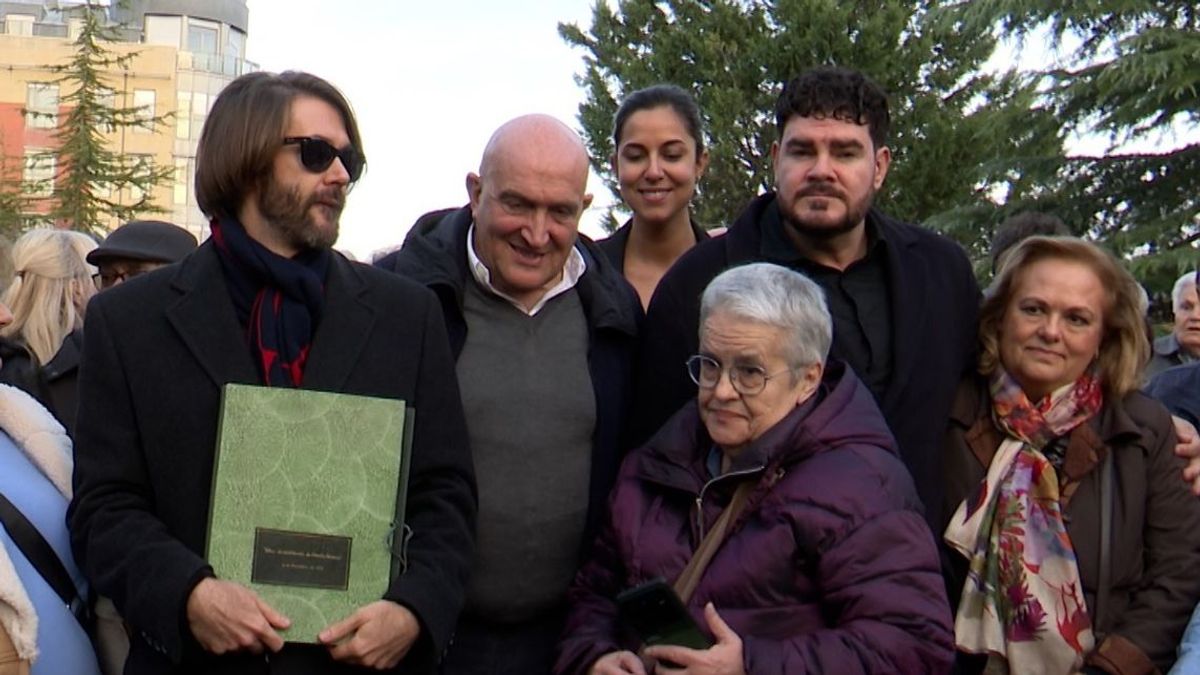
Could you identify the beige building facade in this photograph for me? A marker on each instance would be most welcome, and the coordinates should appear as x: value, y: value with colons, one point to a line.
x: 185, y: 52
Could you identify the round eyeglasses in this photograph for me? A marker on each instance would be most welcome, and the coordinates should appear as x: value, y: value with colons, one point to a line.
x: 746, y: 380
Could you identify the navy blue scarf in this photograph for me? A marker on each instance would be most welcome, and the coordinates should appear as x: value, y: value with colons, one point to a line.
x: 278, y: 300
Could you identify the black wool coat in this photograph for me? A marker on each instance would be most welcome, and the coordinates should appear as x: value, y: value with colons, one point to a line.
x: 157, y: 350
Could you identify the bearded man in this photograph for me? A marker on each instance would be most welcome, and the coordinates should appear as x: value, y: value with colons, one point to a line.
x: 264, y: 301
x: 903, y: 299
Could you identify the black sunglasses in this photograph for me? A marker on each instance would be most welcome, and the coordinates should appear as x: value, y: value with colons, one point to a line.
x: 316, y: 154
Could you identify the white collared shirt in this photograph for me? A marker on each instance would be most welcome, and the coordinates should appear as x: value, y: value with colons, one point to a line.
x: 573, y: 269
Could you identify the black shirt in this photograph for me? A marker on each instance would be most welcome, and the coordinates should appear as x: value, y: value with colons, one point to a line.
x: 857, y: 297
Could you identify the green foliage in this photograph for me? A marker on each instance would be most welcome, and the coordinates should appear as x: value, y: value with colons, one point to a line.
x: 972, y: 144
x: 957, y: 130
x: 1129, y: 73
x: 90, y: 177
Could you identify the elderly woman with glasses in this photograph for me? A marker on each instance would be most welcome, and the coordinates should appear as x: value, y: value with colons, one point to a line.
x: 1073, y: 541
x: 826, y: 564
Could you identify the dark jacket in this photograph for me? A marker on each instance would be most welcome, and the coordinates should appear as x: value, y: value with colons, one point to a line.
x: 1167, y: 354
x: 1178, y: 388
x: 54, y: 385
x: 829, y: 569
x: 934, y: 300
x: 158, y: 350
x: 614, y: 244
x: 1155, y: 544
x: 435, y: 255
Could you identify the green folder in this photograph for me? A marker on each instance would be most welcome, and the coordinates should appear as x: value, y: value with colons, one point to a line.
x: 308, y: 498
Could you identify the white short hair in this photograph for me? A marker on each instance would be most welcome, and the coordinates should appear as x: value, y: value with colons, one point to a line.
x: 775, y: 296
x: 1181, y: 284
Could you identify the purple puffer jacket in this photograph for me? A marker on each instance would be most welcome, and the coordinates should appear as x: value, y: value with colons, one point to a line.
x: 829, y: 569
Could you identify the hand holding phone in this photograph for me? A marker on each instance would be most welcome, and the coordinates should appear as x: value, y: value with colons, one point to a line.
x: 658, y: 617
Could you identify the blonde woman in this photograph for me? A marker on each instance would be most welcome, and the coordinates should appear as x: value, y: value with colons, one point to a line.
x: 51, y: 286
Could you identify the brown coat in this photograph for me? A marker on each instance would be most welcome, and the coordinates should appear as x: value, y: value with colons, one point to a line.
x: 1155, y: 535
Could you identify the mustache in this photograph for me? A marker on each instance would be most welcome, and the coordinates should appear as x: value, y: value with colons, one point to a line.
x: 334, y: 196
x: 820, y: 190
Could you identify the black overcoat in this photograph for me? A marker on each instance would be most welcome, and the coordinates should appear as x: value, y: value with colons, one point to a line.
x: 157, y: 350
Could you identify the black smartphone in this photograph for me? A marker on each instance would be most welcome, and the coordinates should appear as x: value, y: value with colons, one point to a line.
x: 658, y: 617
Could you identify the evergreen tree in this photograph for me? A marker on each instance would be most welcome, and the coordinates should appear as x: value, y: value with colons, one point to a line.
x: 1128, y: 74
x: 90, y: 177
x: 13, y: 202
x: 956, y: 128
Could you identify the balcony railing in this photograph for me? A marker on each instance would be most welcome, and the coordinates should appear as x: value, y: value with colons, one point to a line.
x: 217, y: 64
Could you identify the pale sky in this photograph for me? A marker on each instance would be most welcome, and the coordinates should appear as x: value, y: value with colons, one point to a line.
x: 429, y: 82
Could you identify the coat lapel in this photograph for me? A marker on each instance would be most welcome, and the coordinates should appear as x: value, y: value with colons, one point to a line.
x: 205, y: 320
x: 909, y: 312
x: 344, y: 329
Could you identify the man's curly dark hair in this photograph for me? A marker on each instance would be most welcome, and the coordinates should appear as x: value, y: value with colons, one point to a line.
x: 838, y: 93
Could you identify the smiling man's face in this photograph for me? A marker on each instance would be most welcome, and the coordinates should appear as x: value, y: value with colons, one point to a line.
x: 526, y: 204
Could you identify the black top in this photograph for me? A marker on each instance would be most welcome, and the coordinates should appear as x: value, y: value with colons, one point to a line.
x: 614, y: 244
x: 857, y: 298
x: 54, y: 385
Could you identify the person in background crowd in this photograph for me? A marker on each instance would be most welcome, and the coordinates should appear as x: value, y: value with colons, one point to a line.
x: 904, y: 300
x: 1182, y: 344
x: 1073, y: 543
x: 6, y: 264
x: 1015, y: 229
x: 543, y: 328
x: 39, y: 632
x: 659, y: 157
x: 49, y: 293
x: 828, y: 567
x: 138, y: 247
x: 264, y: 301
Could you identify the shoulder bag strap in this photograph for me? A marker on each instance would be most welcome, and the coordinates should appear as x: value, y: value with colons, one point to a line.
x: 40, y: 554
x: 685, y: 585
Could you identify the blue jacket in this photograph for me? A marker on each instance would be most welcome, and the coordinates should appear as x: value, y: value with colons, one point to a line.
x: 29, y: 432
x: 1178, y: 388
x: 435, y: 255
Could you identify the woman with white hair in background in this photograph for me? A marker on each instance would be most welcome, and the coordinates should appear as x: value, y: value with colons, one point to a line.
x: 40, y: 349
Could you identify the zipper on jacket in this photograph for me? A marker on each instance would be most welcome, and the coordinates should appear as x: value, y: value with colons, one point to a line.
x: 699, y: 515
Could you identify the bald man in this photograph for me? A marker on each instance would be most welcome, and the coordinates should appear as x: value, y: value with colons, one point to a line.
x: 543, y: 329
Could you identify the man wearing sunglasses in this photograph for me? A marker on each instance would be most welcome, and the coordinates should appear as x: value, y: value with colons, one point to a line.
x: 264, y: 301
x: 543, y: 328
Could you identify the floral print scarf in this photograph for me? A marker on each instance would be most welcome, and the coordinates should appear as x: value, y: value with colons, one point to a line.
x: 1023, y: 603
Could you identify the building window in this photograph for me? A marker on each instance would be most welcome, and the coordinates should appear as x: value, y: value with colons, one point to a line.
x: 141, y: 167
x: 39, y: 172
x: 202, y: 37
x: 41, y: 105
x: 181, y: 181
x: 237, y: 44
x: 107, y: 100
x: 183, y: 115
x: 143, y: 100
x: 19, y: 24
x: 162, y: 30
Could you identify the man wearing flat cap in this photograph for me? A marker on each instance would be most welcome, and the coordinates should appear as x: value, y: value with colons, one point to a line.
x: 138, y: 247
